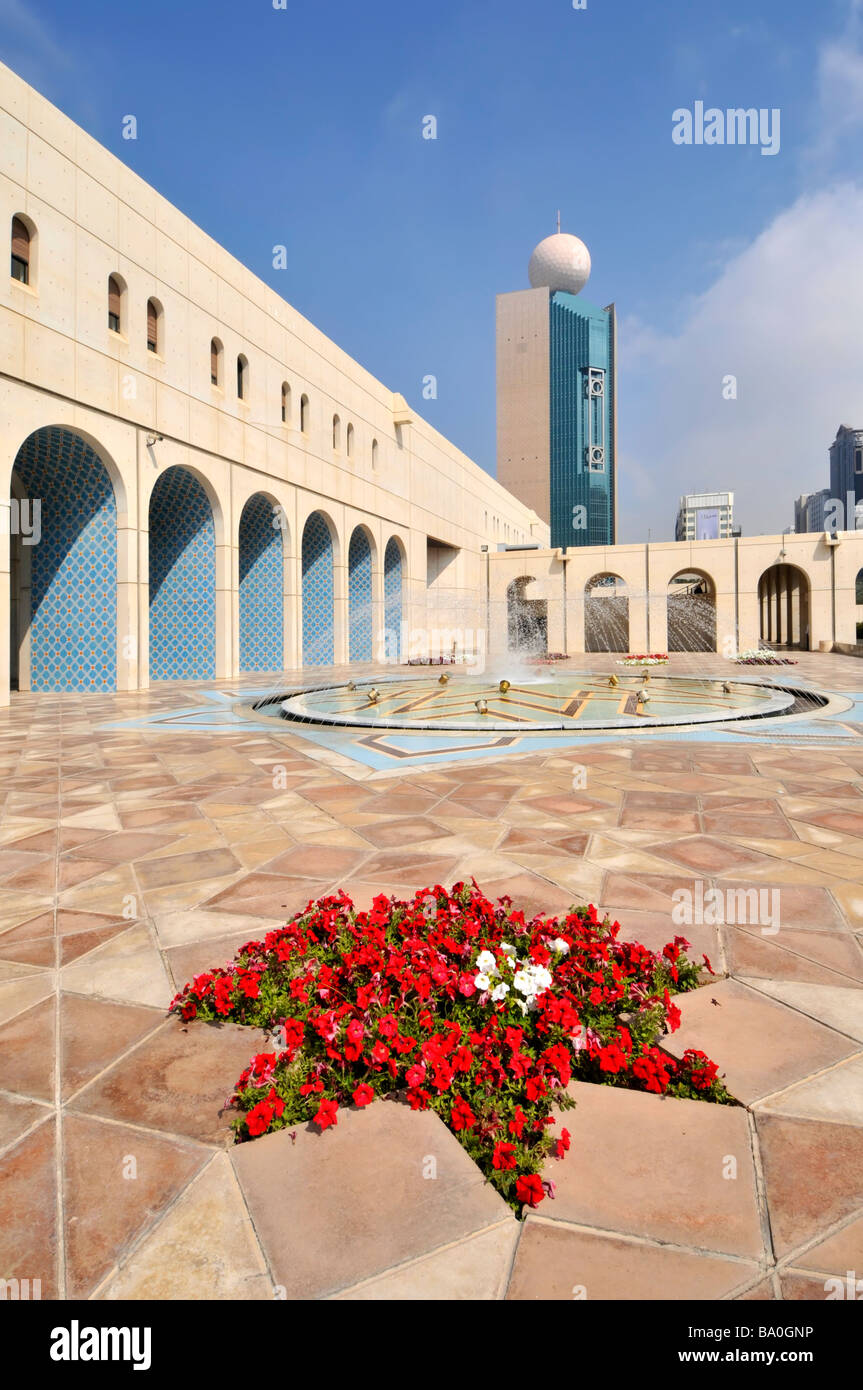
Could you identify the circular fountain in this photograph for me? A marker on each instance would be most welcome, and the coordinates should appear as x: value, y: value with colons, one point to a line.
x: 565, y: 701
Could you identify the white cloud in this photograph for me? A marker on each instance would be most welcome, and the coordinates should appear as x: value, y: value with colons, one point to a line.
x: 784, y: 318
x: 838, y: 112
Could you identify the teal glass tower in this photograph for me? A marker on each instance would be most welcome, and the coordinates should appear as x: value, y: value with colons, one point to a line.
x: 582, y: 423
x: 557, y: 397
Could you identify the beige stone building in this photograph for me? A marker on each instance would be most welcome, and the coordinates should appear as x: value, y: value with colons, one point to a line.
x: 219, y: 487
x: 198, y: 484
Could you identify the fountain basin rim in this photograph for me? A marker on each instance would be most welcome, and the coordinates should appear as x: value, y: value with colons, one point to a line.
x: 294, y: 708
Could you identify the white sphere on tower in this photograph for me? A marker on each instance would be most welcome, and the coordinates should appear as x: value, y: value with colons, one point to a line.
x: 561, y: 262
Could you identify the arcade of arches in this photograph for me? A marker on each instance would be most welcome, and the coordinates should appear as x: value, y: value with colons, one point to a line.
x: 64, y: 627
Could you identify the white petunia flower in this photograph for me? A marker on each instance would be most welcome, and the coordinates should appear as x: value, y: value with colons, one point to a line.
x: 507, y: 949
x: 500, y: 992
x: 482, y: 981
x: 560, y: 947
x: 486, y: 962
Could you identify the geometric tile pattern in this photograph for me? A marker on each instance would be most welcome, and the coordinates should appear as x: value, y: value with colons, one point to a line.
x: 209, y: 850
x: 182, y: 579
x: 360, y: 596
x: 393, y: 582
x: 318, y: 609
x: 261, y: 587
x: 73, y: 632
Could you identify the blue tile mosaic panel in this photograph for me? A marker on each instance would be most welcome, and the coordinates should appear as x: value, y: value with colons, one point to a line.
x: 182, y: 579
x: 393, y: 613
x: 360, y: 596
x: 73, y: 628
x: 261, y: 587
x: 318, y: 606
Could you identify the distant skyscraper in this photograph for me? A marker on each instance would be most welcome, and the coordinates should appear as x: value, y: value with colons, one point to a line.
x: 846, y: 469
x: 705, y: 516
x: 809, y: 511
x: 557, y: 397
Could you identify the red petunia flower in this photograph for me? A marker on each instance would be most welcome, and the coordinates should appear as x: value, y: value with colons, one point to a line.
x: 462, y: 1117
x: 363, y: 1095
x: 562, y: 1144
x: 529, y: 1189
x: 503, y: 1156
x: 418, y: 1099
x: 516, y: 1125
x: 259, y: 1118
x: 326, y: 1115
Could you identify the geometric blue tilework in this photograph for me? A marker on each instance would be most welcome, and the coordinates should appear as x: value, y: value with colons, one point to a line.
x: 182, y: 579
x: 318, y: 608
x: 73, y: 603
x: 393, y: 586
x: 261, y: 586
x: 360, y: 596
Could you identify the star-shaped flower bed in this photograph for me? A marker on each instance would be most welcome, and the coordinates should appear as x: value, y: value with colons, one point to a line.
x: 461, y: 1005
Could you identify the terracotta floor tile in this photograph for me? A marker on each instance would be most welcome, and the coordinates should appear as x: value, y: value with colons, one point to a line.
x: 33, y: 929
x: 17, y: 1115
x: 28, y: 1211
x: 472, y: 1270
x: 316, y: 862
x: 93, y: 1033
x: 176, y: 1081
x: 836, y: 1007
x: 204, y: 1248
x: 42, y: 953
x: 563, y: 1262
x: 839, y: 1253
x: 106, y: 1208
x: 835, y: 1094
x: 805, y: 1288
x: 702, y: 852
x: 647, y: 1166
x: 27, y: 1052
x: 373, y: 1207
x: 126, y: 845
x: 749, y: 955
x: 813, y: 1174
x: 266, y: 895
x: 790, y: 1047
x: 186, y: 868
x: 386, y: 834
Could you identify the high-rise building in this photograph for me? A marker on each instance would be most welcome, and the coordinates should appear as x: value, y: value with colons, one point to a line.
x: 809, y: 511
x: 846, y: 469
x: 557, y: 397
x: 705, y: 516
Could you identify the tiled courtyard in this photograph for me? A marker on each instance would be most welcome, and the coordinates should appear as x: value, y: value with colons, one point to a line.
x: 135, y: 855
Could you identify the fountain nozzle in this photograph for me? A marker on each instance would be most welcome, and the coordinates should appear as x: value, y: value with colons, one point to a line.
x: 442, y: 678
x: 352, y: 685
x: 482, y: 706
x: 613, y: 681
x: 374, y: 696
x: 503, y: 687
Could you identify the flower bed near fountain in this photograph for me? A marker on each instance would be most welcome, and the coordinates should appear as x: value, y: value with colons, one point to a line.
x: 464, y: 1006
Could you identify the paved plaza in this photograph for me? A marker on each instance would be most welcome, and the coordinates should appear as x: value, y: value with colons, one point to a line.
x: 143, y: 842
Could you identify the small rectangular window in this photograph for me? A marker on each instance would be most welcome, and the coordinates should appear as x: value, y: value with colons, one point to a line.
x: 20, y: 270
x: 858, y: 460
x: 114, y: 323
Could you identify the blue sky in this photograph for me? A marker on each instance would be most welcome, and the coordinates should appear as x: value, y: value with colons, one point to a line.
x: 304, y: 127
